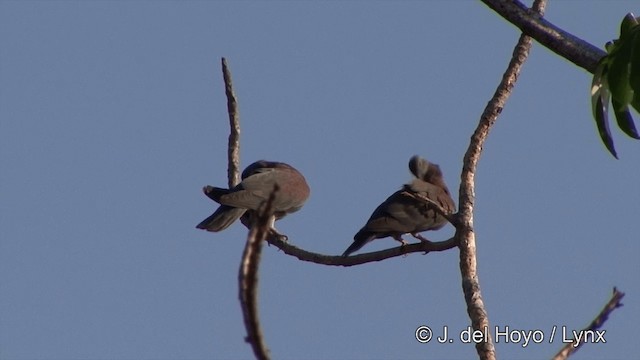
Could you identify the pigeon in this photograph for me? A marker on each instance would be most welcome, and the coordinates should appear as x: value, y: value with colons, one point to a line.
x: 258, y: 182
x: 404, y: 213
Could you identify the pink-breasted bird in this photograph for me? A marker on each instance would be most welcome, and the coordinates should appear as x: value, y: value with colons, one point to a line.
x: 258, y: 182
x: 403, y: 213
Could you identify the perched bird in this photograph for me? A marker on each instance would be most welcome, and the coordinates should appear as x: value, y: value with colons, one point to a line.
x: 258, y: 182
x: 404, y: 213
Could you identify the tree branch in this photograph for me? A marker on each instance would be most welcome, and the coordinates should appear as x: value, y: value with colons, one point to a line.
x: 597, y: 323
x: 233, y: 152
x: 248, y: 279
x: 465, y: 232
x: 338, y: 260
x: 248, y: 273
x: 550, y: 36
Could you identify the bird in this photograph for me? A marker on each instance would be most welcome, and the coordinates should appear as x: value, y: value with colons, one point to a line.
x: 258, y: 182
x: 404, y: 212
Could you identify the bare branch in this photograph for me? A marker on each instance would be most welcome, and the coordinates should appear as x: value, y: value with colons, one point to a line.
x: 233, y: 169
x: 338, y: 260
x: 530, y: 22
x: 248, y: 273
x: 248, y: 279
x: 468, y: 261
x: 597, y: 323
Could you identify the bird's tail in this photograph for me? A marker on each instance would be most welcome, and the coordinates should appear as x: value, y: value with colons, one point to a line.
x: 221, y: 219
x: 359, y: 240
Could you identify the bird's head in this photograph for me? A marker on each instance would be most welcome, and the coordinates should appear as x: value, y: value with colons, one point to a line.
x: 418, y: 166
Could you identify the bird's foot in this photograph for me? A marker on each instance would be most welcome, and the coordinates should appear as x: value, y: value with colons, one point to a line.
x: 403, y: 243
x: 399, y: 239
x: 402, y: 246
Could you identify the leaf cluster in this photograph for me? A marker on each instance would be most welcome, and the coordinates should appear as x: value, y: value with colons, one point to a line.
x: 617, y: 78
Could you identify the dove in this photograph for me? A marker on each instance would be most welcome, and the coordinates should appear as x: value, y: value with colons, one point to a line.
x: 258, y: 182
x: 404, y: 213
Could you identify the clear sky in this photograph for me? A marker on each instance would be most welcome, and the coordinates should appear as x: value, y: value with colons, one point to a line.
x: 113, y: 117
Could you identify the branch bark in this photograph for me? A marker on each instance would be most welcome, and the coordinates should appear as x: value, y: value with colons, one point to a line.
x: 531, y: 23
x: 465, y: 232
x: 233, y: 152
x: 597, y: 323
x: 248, y: 280
x: 338, y: 260
x: 249, y: 265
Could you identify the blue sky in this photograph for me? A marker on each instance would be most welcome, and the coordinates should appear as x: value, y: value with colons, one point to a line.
x: 113, y: 117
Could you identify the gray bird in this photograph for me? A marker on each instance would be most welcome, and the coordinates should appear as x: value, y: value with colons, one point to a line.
x: 402, y: 213
x: 258, y: 181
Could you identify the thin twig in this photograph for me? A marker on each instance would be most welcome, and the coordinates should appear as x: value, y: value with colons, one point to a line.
x: 465, y: 232
x: 338, y: 260
x: 596, y: 324
x: 530, y: 22
x: 233, y: 154
x: 248, y: 280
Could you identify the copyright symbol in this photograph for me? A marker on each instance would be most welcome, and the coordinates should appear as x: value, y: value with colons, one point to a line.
x: 423, y: 334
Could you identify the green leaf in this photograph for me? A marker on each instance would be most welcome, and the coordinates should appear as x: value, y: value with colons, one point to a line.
x: 599, y: 84
x: 600, y: 109
x: 624, y: 119
x: 636, y: 101
x: 619, y: 72
x: 634, y: 63
x: 609, y: 46
x: 617, y: 78
x: 628, y: 22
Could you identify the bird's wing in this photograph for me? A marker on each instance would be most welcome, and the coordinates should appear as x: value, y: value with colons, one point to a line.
x: 263, y: 180
x: 253, y: 190
x: 433, y: 192
x: 243, y: 199
x: 393, y: 215
x: 444, y: 199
